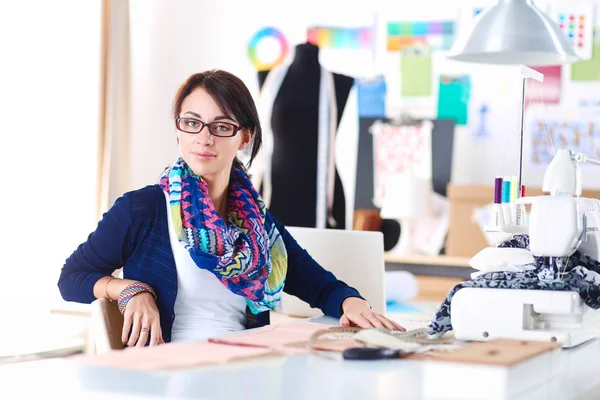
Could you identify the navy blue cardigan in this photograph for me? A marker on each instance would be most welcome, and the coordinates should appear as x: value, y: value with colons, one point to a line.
x: 134, y: 235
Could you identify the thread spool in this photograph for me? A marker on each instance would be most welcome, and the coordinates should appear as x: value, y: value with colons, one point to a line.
x: 506, y: 190
x: 498, y: 190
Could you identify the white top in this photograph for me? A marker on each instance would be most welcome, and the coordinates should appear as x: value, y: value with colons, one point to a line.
x: 204, y: 307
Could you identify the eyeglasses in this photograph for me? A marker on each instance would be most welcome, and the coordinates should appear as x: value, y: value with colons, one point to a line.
x: 216, y: 128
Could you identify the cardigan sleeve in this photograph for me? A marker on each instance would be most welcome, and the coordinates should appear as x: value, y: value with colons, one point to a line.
x: 104, y: 251
x: 310, y: 282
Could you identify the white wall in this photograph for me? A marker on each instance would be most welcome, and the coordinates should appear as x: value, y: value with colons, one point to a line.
x: 171, y: 40
x: 49, y: 120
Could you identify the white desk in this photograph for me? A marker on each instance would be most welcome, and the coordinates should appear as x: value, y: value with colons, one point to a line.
x: 300, y: 377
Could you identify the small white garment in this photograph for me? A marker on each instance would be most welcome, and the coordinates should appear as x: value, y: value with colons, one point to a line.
x: 507, y: 259
x: 327, y: 127
x: 204, y: 307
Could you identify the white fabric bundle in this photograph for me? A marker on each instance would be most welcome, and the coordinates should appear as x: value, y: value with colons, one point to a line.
x: 492, y: 259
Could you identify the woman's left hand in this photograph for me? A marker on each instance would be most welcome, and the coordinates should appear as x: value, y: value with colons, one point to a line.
x: 357, y: 312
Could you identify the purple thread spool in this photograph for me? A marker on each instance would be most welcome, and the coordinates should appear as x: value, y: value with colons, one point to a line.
x: 498, y: 190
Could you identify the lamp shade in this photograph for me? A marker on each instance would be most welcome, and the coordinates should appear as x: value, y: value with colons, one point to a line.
x: 406, y: 196
x: 562, y: 175
x: 514, y: 32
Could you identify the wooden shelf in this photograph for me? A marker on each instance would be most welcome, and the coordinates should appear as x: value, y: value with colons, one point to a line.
x: 440, y: 261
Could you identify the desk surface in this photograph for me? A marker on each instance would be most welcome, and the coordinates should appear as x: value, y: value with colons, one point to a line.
x: 444, y: 261
x: 299, y: 377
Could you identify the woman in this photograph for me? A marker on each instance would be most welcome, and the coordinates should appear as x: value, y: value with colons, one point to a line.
x: 201, y: 255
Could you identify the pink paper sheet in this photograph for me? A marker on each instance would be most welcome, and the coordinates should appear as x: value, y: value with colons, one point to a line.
x: 283, y: 338
x: 173, y: 355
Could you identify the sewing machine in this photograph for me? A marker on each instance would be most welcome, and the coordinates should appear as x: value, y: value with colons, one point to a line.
x: 558, y: 225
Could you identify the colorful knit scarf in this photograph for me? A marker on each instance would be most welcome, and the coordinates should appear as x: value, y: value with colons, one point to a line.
x: 248, y: 254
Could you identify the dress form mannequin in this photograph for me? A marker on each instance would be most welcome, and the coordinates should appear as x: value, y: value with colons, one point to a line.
x: 294, y: 124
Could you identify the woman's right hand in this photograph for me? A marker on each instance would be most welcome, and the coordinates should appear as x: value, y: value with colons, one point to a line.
x: 142, y: 321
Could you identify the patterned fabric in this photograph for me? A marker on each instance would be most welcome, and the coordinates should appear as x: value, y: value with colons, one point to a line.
x: 247, y: 254
x: 578, y: 273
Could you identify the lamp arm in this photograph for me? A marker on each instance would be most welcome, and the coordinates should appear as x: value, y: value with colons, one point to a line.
x: 582, y: 158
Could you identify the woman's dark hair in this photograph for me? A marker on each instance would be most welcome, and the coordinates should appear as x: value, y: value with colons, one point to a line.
x: 232, y: 97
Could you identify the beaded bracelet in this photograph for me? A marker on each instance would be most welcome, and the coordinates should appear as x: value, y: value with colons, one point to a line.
x: 130, y: 291
x: 109, y: 280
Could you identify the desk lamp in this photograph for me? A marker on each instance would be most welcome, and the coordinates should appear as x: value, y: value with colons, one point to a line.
x: 515, y: 32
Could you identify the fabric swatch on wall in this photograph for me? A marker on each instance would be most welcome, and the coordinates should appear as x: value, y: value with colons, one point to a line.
x: 453, y: 97
x: 415, y: 67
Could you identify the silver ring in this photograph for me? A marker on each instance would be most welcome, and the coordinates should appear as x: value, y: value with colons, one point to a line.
x: 145, y: 329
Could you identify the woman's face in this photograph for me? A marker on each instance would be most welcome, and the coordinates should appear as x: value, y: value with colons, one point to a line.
x: 209, y: 156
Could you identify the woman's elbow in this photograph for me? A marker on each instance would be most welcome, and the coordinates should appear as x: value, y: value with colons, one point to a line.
x: 72, y: 287
x: 65, y: 287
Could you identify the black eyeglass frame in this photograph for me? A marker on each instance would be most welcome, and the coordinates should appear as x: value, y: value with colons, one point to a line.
x: 207, y: 125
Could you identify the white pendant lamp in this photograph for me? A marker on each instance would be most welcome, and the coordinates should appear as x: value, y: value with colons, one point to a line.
x: 514, y: 32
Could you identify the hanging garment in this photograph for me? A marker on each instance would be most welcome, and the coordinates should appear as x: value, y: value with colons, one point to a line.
x: 399, y: 149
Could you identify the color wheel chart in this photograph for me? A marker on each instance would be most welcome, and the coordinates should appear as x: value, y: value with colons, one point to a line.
x: 435, y: 34
x: 577, y: 22
x: 331, y: 37
x: 267, y: 48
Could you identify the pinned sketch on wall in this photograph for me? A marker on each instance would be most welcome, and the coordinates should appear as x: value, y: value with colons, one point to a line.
x: 267, y: 48
x: 438, y: 35
x: 371, y: 97
x: 587, y: 70
x: 547, y: 92
x: 576, y: 134
x: 415, y: 68
x: 577, y: 22
x: 453, y: 97
x: 589, y: 108
x: 335, y: 37
x: 482, y: 131
x: 399, y: 149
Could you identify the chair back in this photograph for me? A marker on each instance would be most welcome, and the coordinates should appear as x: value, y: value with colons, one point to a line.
x: 106, y: 326
x: 354, y: 257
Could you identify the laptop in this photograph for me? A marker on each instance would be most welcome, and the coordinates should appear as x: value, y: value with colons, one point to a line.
x: 355, y: 257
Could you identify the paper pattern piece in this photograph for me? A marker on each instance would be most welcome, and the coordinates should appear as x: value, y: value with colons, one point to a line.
x: 333, y: 37
x: 576, y: 134
x: 173, y: 356
x: 499, y: 352
x: 577, y: 23
x: 399, y: 149
x: 453, y: 97
x: 415, y: 67
x: 281, y: 338
x: 435, y: 34
x: 545, y: 92
x: 587, y: 70
x: 371, y: 97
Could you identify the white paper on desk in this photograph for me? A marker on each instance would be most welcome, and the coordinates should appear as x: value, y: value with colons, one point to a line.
x: 430, y: 232
x: 173, y: 355
x: 276, y: 337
